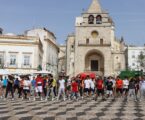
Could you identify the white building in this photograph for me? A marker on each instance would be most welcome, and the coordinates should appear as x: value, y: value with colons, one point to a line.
x: 25, y: 53
x: 50, y: 49
x: 133, y: 61
x: 62, y: 60
x: 20, y: 54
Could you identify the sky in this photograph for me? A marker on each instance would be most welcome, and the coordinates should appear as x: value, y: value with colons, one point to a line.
x: 58, y: 16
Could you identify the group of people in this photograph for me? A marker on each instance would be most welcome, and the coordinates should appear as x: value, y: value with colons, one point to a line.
x: 65, y: 88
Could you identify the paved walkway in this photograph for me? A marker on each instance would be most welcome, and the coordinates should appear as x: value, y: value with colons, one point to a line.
x: 72, y: 110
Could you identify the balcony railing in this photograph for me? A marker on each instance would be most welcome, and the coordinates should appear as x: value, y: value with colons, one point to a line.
x: 12, y: 65
x: 26, y: 66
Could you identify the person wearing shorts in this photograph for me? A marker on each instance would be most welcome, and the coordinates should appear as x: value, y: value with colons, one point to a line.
x: 74, y: 89
x: 109, y: 87
x: 100, y: 88
x: 125, y: 87
x: 87, y: 86
x: 26, y: 88
x: 68, y: 88
x: 39, y: 86
x: 119, y: 87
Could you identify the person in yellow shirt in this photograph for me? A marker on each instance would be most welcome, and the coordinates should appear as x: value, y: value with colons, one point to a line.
x: 54, y: 85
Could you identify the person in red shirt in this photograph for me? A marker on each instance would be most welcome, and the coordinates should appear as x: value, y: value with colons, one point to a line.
x: 119, y: 86
x: 100, y: 88
x: 39, y: 85
x: 74, y: 88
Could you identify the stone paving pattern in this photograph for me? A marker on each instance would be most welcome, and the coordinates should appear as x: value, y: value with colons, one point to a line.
x: 72, y: 110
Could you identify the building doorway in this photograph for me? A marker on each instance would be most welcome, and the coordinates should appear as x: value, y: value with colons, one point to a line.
x: 94, y: 65
x: 94, y: 62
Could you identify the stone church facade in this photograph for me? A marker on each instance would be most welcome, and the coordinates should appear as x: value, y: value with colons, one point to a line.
x: 93, y: 47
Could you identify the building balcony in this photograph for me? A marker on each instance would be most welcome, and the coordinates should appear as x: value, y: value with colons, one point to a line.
x: 9, y: 65
x: 93, y: 44
x: 26, y: 66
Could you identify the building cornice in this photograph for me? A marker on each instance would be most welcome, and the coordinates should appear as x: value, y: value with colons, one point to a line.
x: 18, y: 37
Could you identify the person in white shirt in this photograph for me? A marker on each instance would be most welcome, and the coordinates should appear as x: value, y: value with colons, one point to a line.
x: 142, y: 88
x: 87, y: 86
x: 26, y: 88
x: 125, y: 87
x: 92, y: 86
x: 61, y: 89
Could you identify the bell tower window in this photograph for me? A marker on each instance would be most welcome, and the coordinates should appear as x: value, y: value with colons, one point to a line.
x: 101, y: 42
x: 91, y: 19
x: 87, y: 41
x: 99, y: 19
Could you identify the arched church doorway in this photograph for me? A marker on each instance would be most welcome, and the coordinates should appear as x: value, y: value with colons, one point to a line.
x: 94, y: 62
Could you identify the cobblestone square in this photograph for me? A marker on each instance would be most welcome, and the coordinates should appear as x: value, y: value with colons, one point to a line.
x: 86, y: 109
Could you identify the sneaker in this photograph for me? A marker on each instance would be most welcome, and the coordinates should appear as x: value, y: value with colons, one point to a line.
x: 52, y: 99
x: 12, y: 99
x: 29, y: 99
x: 82, y: 97
x: 41, y: 99
x: 34, y: 99
x: 139, y: 100
x: 45, y: 99
x: 22, y: 98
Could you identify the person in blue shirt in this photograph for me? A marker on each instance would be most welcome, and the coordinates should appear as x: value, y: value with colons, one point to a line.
x: 16, y: 85
x: 5, y: 82
x: 4, y: 85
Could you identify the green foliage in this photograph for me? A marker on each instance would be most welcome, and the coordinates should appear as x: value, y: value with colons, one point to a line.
x: 130, y: 74
x: 39, y: 68
x: 141, y: 59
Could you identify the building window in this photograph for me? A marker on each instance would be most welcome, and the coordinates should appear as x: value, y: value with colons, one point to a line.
x: 133, y: 56
x: 91, y: 19
x: 133, y: 64
x: 99, y: 19
x: 101, y: 41
x: 26, y: 60
x: 1, y: 60
x: 72, y: 48
x: 87, y: 41
x: 13, y: 59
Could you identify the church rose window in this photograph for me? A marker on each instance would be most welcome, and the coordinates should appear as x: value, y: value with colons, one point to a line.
x: 94, y: 34
x: 98, y: 19
x: 91, y: 19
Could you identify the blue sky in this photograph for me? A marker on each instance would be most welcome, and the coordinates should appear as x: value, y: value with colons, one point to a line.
x: 59, y: 17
